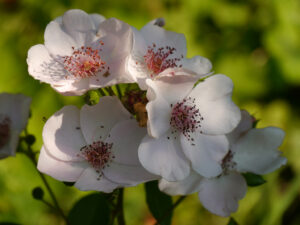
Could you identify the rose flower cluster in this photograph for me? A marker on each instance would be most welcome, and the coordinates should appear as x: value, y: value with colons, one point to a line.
x: 194, y: 138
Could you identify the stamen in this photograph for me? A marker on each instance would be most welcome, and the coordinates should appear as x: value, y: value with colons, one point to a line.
x: 5, y: 123
x: 158, y: 59
x: 85, y: 62
x: 186, y: 117
x: 227, y: 162
x: 98, y: 154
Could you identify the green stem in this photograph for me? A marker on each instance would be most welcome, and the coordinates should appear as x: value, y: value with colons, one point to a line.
x: 169, y: 211
x: 102, y: 92
x: 119, y: 91
x: 121, y: 219
x: 110, y: 91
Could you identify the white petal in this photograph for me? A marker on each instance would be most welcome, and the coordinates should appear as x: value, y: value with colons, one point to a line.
x: 245, y: 125
x: 9, y: 149
x: 164, y: 157
x: 197, y: 64
x: 79, y: 25
x: 97, y: 19
x: 213, y: 99
x: 45, y: 68
x: 16, y: 107
x: 257, y: 151
x: 205, y: 152
x: 62, y: 135
x: 60, y: 170
x: 77, y: 87
x: 189, y: 185
x: 162, y: 38
x: 90, y: 180
x: 99, y: 119
x: 159, y: 115
x: 172, y: 88
x: 126, y: 137
x: 127, y: 174
x: 220, y: 195
x: 57, y: 41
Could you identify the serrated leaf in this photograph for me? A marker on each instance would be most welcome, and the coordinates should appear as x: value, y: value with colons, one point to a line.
x: 90, y: 210
x: 159, y: 203
x: 232, y: 222
x: 254, y: 179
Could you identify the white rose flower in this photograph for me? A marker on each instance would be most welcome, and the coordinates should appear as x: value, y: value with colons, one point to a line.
x: 96, y: 147
x: 82, y: 52
x: 251, y: 150
x: 156, y: 49
x: 186, y: 125
x: 14, y: 113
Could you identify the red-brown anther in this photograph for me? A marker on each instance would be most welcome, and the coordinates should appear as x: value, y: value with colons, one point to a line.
x: 4, y: 131
x: 185, y: 117
x: 158, y: 60
x: 84, y: 62
x: 98, y: 154
x: 227, y: 162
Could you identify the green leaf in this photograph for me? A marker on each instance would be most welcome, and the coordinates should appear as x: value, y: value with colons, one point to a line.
x: 90, y: 210
x: 254, y: 179
x: 232, y: 222
x: 159, y: 203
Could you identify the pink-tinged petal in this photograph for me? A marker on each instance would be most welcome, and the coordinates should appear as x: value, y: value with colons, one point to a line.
x: 98, y: 120
x: 257, y: 151
x: 126, y: 137
x: 189, y: 185
x: 90, y: 181
x: 221, y: 195
x: 245, y: 125
x: 44, y: 67
x: 57, y: 41
x: 117, y: 37
x: 213, y: 99
x: 198, y: 64
x: 163, y: 38
x: 127, y: 174
x: 164, y: 157
x: 62, y: 135
x: 60, y: 170
x: 79, y: 26
x: 205, y: 152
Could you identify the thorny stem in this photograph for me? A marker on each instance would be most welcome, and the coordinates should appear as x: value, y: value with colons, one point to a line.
x: 170, y: 210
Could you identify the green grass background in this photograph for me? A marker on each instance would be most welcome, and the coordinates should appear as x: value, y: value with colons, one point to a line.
x: 256, y: 43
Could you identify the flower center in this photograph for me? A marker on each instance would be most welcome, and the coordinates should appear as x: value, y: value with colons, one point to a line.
x: 227, y: 162
x: 158, y: 59
x: 85, y: 62
x: 185, y: 117
x: 4, y: 130
x: 98, y: 154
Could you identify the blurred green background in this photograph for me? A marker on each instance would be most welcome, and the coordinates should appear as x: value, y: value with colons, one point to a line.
x: 256, y: 43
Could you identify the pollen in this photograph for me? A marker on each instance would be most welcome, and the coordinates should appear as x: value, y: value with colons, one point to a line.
x: 159, y: 59
x: 85, y: 62
x: 186, y: 117
x: 98, y: 155
x: 4, y: 130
